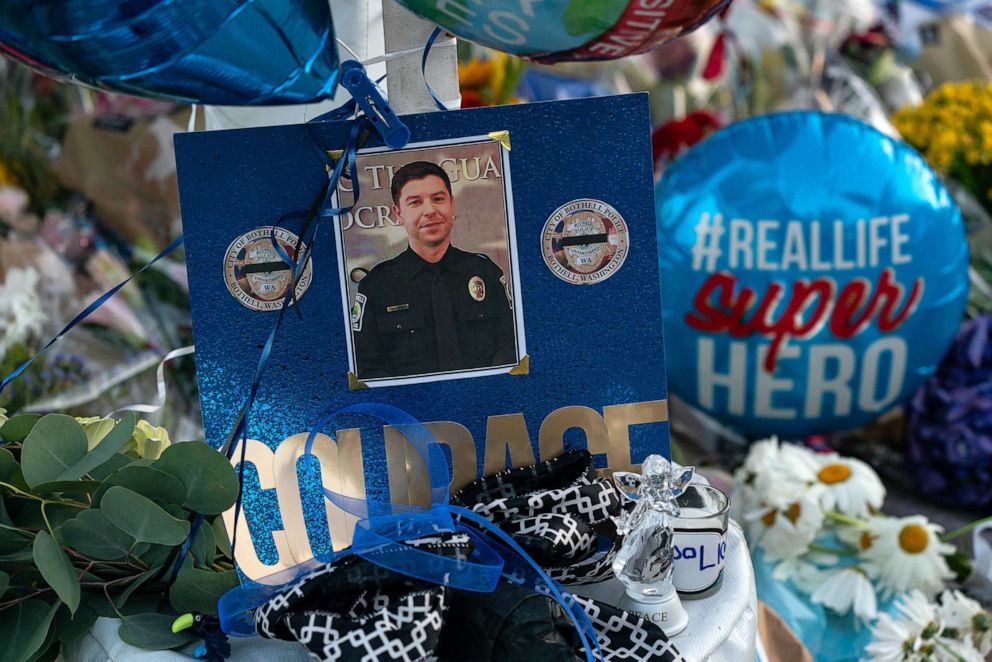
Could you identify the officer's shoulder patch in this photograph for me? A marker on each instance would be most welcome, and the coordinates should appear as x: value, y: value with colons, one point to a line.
x: 358, y: 312
x: 509, y: 291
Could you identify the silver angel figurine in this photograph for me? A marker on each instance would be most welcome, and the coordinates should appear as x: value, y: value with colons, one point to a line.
x: 645, y: 560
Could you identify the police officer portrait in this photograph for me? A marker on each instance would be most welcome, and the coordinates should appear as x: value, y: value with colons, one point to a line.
x: 428, y: 266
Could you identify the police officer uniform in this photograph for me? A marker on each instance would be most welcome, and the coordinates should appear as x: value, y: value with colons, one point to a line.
x: 413, y: 317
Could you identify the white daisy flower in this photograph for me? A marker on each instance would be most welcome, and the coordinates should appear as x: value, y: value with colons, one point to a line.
x: 791, y: 529
x: 917, y: 608
x: 762, y: 456
x: 850, y: 486
x: 846, y: 589
x: 786, y: 484
x: 897, y: 641
x: 857, y: 537
x: 805, y: 576
x: 906, y: 553
x: 967, y: 619
x: 757, y: 469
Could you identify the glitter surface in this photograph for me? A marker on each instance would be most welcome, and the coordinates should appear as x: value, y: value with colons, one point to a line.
x: 589, y: 345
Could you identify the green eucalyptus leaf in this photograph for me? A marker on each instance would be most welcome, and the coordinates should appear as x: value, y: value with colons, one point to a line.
x: 4, y: 515
x: 18, y: 556
x: 92, y: 534
x: 220, y: 535
x: 116, y: 462
x: 67, y: 487
x: 54, y: 446
x: 55, y: 566
x: 30, y: 517
x: 146, y: 481
x: 156, y: 555
x: 199, y: 590
x: 209, y: 479
x: 143, y: 603
x: 8, y: 465
x: 18, y: 427
x: 13, y: 539
x: 105, y: 450
x: 204, y: 547
x: 4, y: 583
x: 24, y: 628
x: 49, y: 650
x: 134, y: 586
x: 72, y: 626
x: 152, y: 632
x: 141, y: 518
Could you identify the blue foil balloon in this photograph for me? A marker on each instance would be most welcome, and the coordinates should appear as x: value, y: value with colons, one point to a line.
x: 225, y: 52
x: 813, y: 273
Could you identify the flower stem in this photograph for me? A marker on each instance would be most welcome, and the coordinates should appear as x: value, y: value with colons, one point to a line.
x: 19, y: 492
x: 965, y: 529
x: 823, y: 549
x: 844, y: 519
x: 950, y: 651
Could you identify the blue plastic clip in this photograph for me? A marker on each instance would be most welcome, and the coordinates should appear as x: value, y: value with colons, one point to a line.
x: 394, y: 132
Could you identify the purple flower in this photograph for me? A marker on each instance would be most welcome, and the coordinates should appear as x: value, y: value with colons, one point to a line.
x: 949, y: 431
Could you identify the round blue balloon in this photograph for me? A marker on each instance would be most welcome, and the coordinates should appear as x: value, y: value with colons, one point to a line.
x: 225, y: 52
x: 813, y: 273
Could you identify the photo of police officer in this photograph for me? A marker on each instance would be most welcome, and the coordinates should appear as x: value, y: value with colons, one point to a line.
x: 433, y: 308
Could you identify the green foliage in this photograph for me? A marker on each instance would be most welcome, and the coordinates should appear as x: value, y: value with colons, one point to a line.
x: 211, y: 486
x: 17, y: 428
x: 88, y: 529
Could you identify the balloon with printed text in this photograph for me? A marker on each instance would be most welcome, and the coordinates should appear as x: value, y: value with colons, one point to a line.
x: 224, y: 52
x: 564, y: 30
x: 813, y: 273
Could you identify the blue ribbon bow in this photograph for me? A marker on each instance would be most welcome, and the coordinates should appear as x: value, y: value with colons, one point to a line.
x: 379, y: 536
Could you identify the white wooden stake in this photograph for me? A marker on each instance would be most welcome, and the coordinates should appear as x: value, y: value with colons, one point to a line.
x: 404, y: 30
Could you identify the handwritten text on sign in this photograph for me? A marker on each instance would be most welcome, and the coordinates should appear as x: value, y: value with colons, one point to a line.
x: 699, y: 559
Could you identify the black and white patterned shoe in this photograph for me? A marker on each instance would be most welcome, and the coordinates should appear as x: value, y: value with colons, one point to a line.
x: 624, y: 635
x: 558, y: 510
x: 356, y: 611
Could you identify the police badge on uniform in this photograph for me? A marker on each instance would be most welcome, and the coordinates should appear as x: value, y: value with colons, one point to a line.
x: 477, y: 288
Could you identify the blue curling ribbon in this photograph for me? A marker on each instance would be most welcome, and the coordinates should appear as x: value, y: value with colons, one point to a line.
x: 379, y: 536
x: 423, y: 68
x: 86, y: 312
x: 317, y: 213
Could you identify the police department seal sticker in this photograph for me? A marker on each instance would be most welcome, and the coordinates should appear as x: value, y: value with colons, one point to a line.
x: 584, y: 242
x: 255, y: 273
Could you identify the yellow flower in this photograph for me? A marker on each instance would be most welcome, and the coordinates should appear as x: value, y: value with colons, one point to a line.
x: 96, y: 429
x: 148, y: 441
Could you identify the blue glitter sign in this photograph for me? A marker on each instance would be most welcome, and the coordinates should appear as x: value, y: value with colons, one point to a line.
x: 497, y: 279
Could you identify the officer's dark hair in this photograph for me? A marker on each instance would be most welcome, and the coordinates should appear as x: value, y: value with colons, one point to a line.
x: 417, y: 170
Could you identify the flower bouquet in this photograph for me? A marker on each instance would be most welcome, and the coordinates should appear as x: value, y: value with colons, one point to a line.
x: 953, y: 130
x: 815, y: 521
